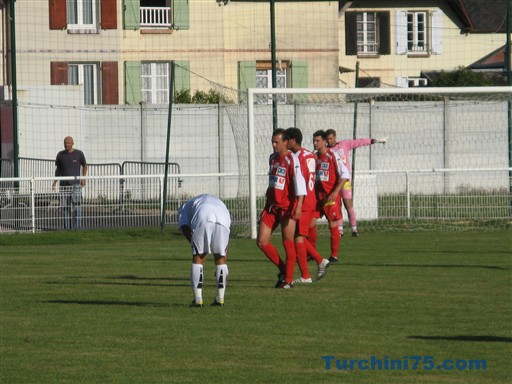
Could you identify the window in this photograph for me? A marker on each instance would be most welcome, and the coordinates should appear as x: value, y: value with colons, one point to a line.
x: 367, y: 33
x: 149, y: 81
x: 411, y: 82
x: 264, y: 80
x: 155, y: 13
x: 155, y: 83
x: 252, y: 74
x: 86, y: 75
x: 149, y: 14
x: 99, y: 81
x: 369, y: 82
x: 414, y: 82
x: 81, y: 13
x: 417, y: 32
x: 78, y: 16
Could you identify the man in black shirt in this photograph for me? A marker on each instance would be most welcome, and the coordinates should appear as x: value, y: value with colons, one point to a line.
x: 69, y: 162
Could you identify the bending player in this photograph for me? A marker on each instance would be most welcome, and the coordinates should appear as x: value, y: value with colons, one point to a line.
x: 205, y: 222
x: 343, y: 148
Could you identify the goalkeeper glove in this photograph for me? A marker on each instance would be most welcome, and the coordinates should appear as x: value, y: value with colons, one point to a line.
x: 384, y: 140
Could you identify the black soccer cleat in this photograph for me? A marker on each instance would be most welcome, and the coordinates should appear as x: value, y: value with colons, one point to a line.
x: 193, y: 304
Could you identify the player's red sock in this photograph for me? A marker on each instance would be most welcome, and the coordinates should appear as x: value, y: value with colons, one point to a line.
x: 271, y: 252
x: 302, y: 259
x: 312, y: 236
x: 335, y: 241
x: 311, y: 251
x: 291, y: 257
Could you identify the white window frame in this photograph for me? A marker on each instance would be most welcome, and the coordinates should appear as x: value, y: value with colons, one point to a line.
x: 151, y: 95
x: 434, y: 30
x: 264, y: 80
x: 366, y: 43
x: 417, y: 32
x: 91, y: 88
x: 80, y: 10
x: 416, y: 82
x: 411, y: 82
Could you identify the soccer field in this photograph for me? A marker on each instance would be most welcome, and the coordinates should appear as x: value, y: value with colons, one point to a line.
x: 112, y: 307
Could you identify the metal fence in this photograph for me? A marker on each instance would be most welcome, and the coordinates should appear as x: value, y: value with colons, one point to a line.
x: 420, y: 200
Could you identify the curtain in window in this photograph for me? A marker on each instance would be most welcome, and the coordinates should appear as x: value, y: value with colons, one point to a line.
x: 72, y: 11
x: 87, y: 9
x: 89, y: 84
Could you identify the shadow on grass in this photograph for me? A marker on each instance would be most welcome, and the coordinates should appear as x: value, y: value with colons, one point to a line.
x: 119, y: 303
x: 479, y: 338
x: 349, y: 264
x: 137, y: 281
x: 113, y: 302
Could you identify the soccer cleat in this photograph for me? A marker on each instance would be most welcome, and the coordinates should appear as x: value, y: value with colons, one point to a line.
x: 302, y: 280
x: 217, y: 303
x: 285, y: 285
x: 193, y: 304
x: 280, y: 279
x: 355, y: 234
x: 322, y: 269
x: 333, y: 259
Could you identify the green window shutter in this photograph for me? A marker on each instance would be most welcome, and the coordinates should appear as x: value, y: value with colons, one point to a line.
x: 133, y: 82
x: 181, y: 75
x: 131, y: 19
x: 180, y: 14
x: 299, y: 74
x: 246, y: 78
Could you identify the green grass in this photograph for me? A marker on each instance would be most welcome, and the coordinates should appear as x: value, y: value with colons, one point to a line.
x: 112, y: 307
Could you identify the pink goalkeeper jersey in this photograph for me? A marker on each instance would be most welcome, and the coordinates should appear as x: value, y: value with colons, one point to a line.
x: 343, y: 148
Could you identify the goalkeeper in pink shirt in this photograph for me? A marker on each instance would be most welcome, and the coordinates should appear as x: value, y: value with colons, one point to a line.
x: 343, y: 148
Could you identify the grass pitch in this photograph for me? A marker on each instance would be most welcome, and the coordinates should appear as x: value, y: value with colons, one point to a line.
x: 112, y: 307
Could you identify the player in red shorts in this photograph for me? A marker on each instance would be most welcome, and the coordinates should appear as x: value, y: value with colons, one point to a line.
x: 306, y: 161
x: 331, y: 175
x: 282, y: 204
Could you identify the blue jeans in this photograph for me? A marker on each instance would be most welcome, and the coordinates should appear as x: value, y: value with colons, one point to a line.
x: 71, y: 199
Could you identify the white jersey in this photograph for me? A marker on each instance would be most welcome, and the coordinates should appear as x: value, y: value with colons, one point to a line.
x: 202, y: 209
x: 209, y: 221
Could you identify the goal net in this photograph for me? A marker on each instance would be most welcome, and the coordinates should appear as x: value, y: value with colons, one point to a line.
x: 446, y: 163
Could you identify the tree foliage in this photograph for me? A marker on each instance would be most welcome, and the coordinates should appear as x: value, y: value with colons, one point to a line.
x: 461, y: 77
x: 199, y: 97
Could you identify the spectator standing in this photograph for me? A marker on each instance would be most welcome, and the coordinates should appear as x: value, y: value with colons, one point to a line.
x: 71, y: 162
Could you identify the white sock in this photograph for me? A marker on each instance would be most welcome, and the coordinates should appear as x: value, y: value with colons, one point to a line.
x: 354, y: 228
x: 196, y: 281
x: 222, y: 281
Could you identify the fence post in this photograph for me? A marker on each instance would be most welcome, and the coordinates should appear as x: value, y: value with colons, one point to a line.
x: 408, y: 193
x: 33, y: 205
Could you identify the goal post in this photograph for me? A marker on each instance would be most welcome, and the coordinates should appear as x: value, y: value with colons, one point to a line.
x: 431, y: 131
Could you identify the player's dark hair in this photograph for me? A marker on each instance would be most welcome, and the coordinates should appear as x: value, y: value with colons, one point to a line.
x: 320, y: 133
x: 294, y: 133
x: 330, y: 132
x: 279, y: 131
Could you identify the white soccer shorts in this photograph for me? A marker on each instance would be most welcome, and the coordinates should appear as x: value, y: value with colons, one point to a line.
x: 210, y: 238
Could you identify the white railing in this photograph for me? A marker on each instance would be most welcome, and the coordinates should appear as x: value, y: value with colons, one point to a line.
x: 452, y: 198
x: 155, y: 17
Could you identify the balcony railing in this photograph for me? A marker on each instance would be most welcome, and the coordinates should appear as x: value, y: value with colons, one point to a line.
x: 155, y: 17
